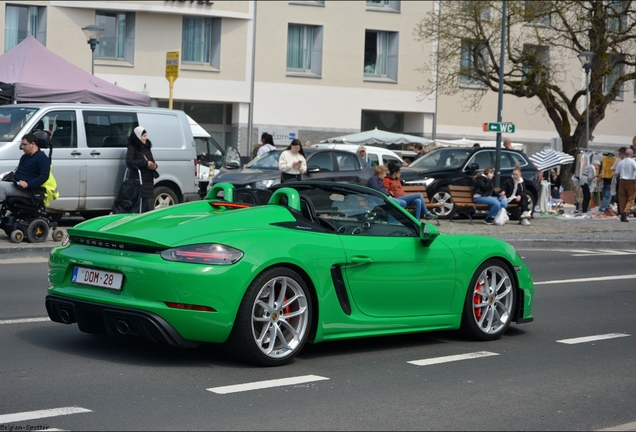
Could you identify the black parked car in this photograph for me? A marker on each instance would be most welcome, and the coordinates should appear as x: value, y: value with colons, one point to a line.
x: 322, y: 164
x: 457, y: 166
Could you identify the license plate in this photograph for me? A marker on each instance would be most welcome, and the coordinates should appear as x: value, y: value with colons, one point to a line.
x: 98, y: 277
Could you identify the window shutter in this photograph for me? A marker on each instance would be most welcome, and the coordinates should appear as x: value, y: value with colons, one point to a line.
x: 40, y: 33
x: 392, y: 67
x: 129, y: 46
x: 316, y: 51
x: 215, y: 43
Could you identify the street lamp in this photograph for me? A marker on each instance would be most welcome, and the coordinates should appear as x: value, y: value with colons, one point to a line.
x: 92, y: 32
x: 586, y: 61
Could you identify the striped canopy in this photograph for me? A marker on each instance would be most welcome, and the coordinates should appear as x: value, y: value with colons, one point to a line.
x: 550, y: 158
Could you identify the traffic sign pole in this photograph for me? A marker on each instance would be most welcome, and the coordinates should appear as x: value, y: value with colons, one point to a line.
x: 172, y: 71
x: 502, y: 58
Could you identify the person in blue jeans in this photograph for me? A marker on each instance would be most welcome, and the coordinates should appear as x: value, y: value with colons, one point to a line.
x: 484, y: 193
x: 394, y: 186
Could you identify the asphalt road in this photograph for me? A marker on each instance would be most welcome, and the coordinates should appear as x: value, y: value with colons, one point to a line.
x: 528, y: 380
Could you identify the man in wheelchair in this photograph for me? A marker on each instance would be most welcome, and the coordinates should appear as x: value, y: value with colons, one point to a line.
x: 22, y: 207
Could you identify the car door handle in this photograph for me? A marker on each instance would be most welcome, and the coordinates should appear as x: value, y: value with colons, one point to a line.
x: 361, y: 260
x: 95, y: 153
x: 75, y: 153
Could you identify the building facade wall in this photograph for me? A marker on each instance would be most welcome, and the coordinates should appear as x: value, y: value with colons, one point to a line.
x: 317, y: 107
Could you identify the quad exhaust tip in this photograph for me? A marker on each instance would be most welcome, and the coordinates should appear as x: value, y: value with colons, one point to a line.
x: 122, y: 327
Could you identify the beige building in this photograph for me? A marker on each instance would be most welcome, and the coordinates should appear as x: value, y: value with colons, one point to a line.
x: 321, y: 68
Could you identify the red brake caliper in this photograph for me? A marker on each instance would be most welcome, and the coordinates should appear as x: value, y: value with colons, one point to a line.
x: 476, y: 301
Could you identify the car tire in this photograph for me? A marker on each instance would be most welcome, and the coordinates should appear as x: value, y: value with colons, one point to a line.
x: 164, y: 197
x: 275, y: 294
x: 37, y: 231
x: 443, y: 196
x: 490, y: 301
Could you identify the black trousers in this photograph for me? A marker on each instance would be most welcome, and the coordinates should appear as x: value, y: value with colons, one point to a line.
x: 289, y: 177
x: 586, y: 198
x: 523, y: 205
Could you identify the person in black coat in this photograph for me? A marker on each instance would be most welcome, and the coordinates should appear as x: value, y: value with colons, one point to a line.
x: 516, y: 193
x: 140, y: 156
x: 484, y: 193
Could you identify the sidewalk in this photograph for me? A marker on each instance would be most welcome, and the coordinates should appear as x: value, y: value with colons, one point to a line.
x: 545, y: 232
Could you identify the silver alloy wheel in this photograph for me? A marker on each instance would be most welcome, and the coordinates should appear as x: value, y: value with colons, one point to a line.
x: 492, y: 300
x: 164, y: 200
x: 443, y: 197
x: 279, y: 317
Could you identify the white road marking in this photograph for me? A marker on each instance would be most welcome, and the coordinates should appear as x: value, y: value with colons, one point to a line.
x: 31, y: 260
x: 266, y: 384
x: 25, y: 320
x: 592, y: 338
x: 624, y: 427
x: 596, y: 252
x: 32, y: 415
x: 592, y: 279
x: 446, y: 359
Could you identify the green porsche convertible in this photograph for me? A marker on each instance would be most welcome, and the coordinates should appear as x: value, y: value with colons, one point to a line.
x: 312, y: 261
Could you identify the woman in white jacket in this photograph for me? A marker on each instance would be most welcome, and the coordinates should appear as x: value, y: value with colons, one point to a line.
x: 292, y: 162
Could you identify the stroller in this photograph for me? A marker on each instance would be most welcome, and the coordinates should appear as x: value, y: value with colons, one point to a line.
x: 129, y: 196
x: 22, y: 216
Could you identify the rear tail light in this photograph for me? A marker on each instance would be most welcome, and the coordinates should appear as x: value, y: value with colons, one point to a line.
x: 216, y: 254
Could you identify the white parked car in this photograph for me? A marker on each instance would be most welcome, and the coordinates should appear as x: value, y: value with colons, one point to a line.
x: 377, y: 155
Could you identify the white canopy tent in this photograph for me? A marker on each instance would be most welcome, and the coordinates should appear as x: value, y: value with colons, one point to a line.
x: 379, y: 138
x: 469, y: 143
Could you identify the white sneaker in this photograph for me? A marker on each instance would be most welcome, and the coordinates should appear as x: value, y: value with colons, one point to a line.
x: 526, y: 214
x: 525, y: 222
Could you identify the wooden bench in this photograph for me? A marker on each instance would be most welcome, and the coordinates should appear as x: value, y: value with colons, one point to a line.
x: 409, y: 189
x: 462, y: 197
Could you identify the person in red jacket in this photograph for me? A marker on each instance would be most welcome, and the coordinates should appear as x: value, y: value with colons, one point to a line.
x: 394, y: 187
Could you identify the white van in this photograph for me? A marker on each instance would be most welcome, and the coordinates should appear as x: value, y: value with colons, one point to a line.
x: 89, y: 151
x: 377, y: 155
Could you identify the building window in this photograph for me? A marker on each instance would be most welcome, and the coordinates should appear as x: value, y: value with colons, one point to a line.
x: 304, y: 49
x: 201, y: 41
x: 617, y: 65
x: 383, y: 120
x: 537, y: 12
x: 308, y: 3
x: 537, y: 62
x: 22, y: 21
x: 617, y: 15
x: 117, y: 42
x: 472, y: 62
x: 383, y: 5
x: 471, y: 8
x: 381, y: 55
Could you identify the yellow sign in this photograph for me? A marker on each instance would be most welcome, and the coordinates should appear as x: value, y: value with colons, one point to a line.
x: 172, y: 65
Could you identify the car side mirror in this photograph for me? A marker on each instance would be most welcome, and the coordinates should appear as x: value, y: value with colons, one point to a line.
x: 313, y: 169
x: 473, y: 167
x: 428, y: 233
x: 232, y: 165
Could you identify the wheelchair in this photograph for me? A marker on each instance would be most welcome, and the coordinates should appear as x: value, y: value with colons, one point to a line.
x: 22, y: 217
x: 27, y: 216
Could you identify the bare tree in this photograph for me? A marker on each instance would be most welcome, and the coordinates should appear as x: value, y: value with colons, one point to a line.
x: 542, y: 38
